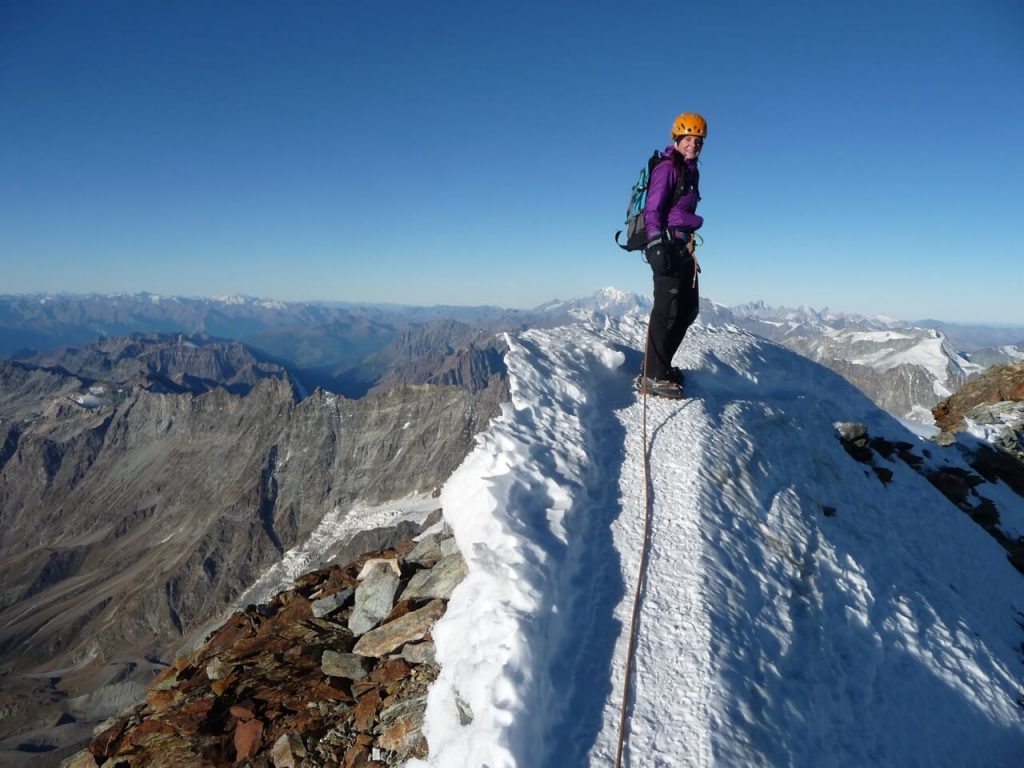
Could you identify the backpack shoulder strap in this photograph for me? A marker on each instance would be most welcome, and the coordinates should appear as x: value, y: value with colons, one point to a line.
x: 681, y: 183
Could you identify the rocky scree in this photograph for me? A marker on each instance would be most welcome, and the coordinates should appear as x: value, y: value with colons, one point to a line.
x: 332, y: 672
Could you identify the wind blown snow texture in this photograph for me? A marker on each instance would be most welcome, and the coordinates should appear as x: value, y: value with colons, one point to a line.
x: 770, y: 633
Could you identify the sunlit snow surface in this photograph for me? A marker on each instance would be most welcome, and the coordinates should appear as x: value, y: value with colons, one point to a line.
x: 770, y: 634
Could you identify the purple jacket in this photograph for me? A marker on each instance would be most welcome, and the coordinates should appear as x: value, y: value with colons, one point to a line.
x: 683, y: 215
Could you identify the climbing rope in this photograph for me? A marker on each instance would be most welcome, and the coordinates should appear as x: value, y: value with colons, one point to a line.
x: 642, y: 573
x: 691, y: 248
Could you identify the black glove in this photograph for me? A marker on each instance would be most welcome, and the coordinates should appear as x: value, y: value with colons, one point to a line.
x: 659, y: 256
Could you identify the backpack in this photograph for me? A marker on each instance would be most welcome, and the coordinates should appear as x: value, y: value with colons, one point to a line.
x: 636, y: 227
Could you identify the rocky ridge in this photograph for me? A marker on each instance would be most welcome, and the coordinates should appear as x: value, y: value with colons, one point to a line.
x: 332, y: 672
x: 990, y: 407
x: 440, y: 352
x: 162, y: 362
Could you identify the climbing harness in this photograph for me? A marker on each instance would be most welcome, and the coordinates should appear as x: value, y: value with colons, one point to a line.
x: 642, y: 574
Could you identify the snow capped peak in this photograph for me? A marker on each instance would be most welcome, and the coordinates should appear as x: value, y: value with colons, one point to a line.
x: 608, y: 301
x: 885, y: 319
x: 236, y: 299
x: 611, y: 294
x: 248, y: 301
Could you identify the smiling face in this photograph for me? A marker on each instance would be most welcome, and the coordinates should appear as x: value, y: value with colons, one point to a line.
x: 689, y: 146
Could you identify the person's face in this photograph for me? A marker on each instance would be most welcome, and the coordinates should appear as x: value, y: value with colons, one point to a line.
x: 689, y: 146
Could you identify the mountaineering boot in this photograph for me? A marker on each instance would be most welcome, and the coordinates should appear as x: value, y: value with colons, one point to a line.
x: 659, y: 388
x: 675, y: 375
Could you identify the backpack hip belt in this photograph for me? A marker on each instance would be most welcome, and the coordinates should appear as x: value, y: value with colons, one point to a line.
x: 671, y: 236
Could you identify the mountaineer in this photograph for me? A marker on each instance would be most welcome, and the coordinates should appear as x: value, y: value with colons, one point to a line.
x: 670, y: 218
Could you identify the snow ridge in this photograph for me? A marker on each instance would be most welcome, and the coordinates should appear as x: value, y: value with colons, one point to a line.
x: 797, y: 610
x: 535, y: 486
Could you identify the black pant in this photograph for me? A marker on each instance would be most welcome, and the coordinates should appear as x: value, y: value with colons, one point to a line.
x: 676, y: 303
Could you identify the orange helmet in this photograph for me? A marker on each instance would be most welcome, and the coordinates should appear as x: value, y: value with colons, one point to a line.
x: 689, y: 124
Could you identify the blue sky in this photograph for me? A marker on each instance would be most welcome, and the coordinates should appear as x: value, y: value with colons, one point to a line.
x: 865, y: 157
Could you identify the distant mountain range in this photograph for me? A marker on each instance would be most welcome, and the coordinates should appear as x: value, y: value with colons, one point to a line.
x: 345, y: 349
x: 307, y: 335
x: 353, y: 349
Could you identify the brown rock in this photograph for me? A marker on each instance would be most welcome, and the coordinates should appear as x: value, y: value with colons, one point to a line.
x: 405, y: 736
x: 188, y: 719
x: 358, y: 754
x: 337, y: 581
x: 222, y: 684
x: 106, y: 742
x: 236, y: 628
x: 309, y: 581
x: 332, y: 693
x: 241, y: 713
x: 165, y: 681
x: 390, y: 672
x: 401, y: 608
x: 248, y: 735
x: 404, y: 548
x: 160, y: 701
x: 143, y: 730
x: 998, y: 384
x: 358, y: 689
x: 413, y: 626
x: 276, y: 633
x: 273, y: 677
x: 366, y: 711
x: 402, y: 726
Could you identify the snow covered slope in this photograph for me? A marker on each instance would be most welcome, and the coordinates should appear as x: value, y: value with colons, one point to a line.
x: 914, y: 367
x: 904, y: 369
x: 797, y: 610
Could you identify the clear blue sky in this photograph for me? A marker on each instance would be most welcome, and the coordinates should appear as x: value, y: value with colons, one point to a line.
x: 863, y: 156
